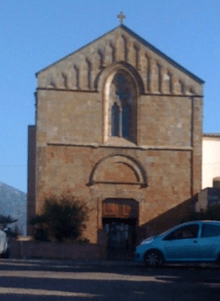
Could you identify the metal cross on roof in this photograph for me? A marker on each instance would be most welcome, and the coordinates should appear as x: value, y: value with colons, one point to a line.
x: 121, y: 17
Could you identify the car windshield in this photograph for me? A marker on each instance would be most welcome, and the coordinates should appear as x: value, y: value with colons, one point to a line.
x: 165, y: 232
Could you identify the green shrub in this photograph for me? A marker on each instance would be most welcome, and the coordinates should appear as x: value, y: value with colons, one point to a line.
x: 64, y: 218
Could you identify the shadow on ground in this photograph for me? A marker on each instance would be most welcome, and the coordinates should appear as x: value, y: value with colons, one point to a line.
x: 80, y: 280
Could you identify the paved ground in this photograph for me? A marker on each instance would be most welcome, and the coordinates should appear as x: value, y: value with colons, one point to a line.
x: 105, y: 280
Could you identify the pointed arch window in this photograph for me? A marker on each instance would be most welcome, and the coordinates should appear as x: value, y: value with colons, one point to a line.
x: 126, y: 121
x: 115, y: 120
x: 122, y: 106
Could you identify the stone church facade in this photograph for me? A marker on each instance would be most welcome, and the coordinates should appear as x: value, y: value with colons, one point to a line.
x: 118, y: 125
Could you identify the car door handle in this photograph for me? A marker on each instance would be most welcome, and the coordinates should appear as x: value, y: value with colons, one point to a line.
x: 195, y: 241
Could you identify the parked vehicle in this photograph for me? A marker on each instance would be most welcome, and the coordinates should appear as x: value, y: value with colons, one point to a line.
x: 197, y: 241
x: 4, y: 248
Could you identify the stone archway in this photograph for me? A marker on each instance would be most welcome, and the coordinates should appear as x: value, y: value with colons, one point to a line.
x: 118, y: 169
x: 120, y: 219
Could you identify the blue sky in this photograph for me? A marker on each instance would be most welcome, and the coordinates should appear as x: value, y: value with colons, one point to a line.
x: 36, y: 33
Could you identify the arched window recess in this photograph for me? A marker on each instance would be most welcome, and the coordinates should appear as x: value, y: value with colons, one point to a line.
x: 121, y: 112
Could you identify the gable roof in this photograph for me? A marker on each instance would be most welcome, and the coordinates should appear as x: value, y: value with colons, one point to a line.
x: 141, y: 40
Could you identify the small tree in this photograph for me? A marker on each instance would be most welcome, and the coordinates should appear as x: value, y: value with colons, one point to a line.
x: 6, y: 220
x: 64, y: 218
x: 14, y: 232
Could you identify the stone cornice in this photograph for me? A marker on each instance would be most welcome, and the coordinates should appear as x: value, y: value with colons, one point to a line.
x: 67, y: 90
x: 96, y: 91
x: 138, y: 147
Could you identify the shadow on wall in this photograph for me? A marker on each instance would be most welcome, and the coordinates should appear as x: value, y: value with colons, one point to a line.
x: 32, y: 249
x: 167, y: 220
x: 157, y: 225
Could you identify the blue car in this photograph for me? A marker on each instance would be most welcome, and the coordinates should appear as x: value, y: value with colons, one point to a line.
x: 197, y: 241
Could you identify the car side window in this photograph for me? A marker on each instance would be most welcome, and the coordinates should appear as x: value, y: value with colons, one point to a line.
x: 209, y: 230
x: 186, y: 232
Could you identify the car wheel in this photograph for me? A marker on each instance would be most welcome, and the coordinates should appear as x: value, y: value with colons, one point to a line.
x: 6, y: 254
x: 218, y: 260
x: 153, y: 259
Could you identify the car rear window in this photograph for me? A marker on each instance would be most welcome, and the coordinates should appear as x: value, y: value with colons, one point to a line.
x: 209, y: 230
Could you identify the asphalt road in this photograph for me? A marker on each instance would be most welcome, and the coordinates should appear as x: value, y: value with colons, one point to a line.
x: 77, y: 280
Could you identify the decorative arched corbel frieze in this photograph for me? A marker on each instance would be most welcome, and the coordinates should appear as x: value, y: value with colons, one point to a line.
x: 89, y: 74
x: 191, y: 90
x: 168, y: 82
x: 113, y: 52
x: 119, y: 48
x: 148, y: 72
x: 65, y: 80
x: 50, y: 82
x: 125, y: 48
x: 83, y: 74
x: 159, y: 78
x: 61, y: 80
x: 76, y: 77
x: 182, y: 87
x: 101, y: 53
x: 137, y: 56
x: 102, y: 76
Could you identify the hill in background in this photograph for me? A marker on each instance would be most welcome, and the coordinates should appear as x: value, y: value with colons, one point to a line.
x: 14, y: 203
